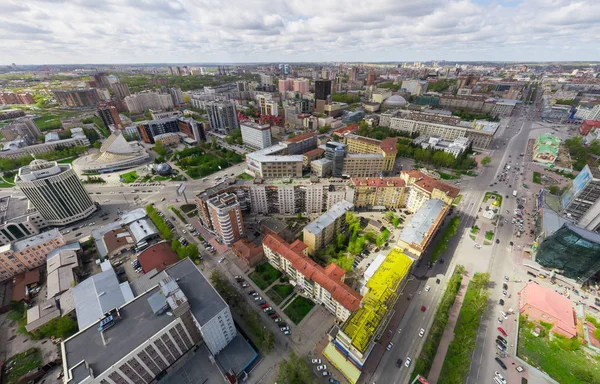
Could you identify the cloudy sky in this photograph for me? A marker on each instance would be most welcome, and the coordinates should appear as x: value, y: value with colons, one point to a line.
x: 159, y: 31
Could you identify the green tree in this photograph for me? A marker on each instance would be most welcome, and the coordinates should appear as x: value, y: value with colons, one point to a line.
x: 159, y: 148
x: 294, y: 370
x: 486, y: 160
x: 353, y: 223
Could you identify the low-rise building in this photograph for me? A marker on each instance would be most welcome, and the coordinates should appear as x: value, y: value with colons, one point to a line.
x: 248, y: 252
x: 422, y: 227
x: 168, y: 139
x: 539, y: 303
x: 363, y: 164
x: 546, y: 148
x: 386, y: 147
x: 321, y: 167
x: 455, y: 148
x: 423, y: 188
x: 323, y: 285
x: 311, y: 155
x: 50, y: 146
x: 157, y: 257
x: 320, y: 232
x: 387, y: 192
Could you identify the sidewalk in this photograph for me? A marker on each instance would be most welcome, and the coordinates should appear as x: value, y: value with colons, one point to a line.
x: 448, y: 336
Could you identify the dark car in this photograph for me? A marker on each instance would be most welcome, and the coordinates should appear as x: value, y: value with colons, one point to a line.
x: 500, y: 362
x: 502, y: 339
x: 78, y: 234
x: 399, y: 363
x: 505, y: 286
x: 511, y: 243
x: 497, y: 241
x: 501, y: 302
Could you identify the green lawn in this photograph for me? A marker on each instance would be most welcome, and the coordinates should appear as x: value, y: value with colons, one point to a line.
x: 162, y: 178
x: 68, y: 160
x: 457, y: 200
x: 298, y: 309
x: 6, y: 185
x: 25, y: 362
x: 447, y: 176
x: 489, y: 235
x: 279, y: 292
x: 244, y: 176
x: 186, y: 208
x: 264, y: 275
x: 537, y: 178
x: 562, y: 359
x: 129, y: 177
x: 489, y: 195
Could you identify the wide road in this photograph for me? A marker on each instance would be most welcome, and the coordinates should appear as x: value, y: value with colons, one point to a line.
x: 509, y: 142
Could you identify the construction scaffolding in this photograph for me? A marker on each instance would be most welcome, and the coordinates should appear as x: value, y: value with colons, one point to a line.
x: 383, y: 289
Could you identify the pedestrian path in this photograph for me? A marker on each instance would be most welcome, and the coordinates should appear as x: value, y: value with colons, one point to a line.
x: 448, y: 336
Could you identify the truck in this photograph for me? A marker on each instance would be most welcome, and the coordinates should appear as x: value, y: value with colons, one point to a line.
x: 515, y: 193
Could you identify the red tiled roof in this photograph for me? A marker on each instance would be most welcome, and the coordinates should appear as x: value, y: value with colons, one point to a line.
x: 378, y: 181
x: 246, y: 249
x: 559, y: 307
x: 21, y: 281
x: 314, y: 152
x: 304, y: 136
x: 329, y: 279
x: 588, y: 125
x: 388, y: 145
x: 349, y: 129
x: 158, y: 256
x: 429, y: 184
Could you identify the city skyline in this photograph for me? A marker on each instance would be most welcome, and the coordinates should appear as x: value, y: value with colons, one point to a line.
x: 155, y: 31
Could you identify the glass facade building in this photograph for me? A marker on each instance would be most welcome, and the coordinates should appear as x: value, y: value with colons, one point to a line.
x: 573, y: 251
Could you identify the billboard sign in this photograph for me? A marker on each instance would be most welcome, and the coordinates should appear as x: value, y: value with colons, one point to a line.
x: 181, y: 189
x: 578, y: 184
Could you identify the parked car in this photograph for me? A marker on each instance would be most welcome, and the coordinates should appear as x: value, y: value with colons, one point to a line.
x: 390, y: 345
x: 274, y: 316
x: 321, y: 367
x: 257, y: 298
x: 244, y: 285
x: 267, y: 309
x: 252, y: 292
x: 421, y: 332
x: 399, y: 363
x: 331, y: 381
x: 407, y: 362
x: 500, y: 362
x: 262, y: 302
x: 501, y: 302
x: 277, y: 319
x: 326, y: 373
x: 263, y: 306
x: 502, y: 339
x: 316, y: 361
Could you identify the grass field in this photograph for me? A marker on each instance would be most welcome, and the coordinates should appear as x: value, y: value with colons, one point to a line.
x: 489, y: 195
x: 457, y: 200
x: 279, y: 292
x: 562, y: 359
x: 298, y: 309
x: 489, y: 235
x: 537, y: 178
x: 264, y: 275
x: 66, y: 161
x: 24, y: 362
x: 447, y: 176
x: 129, y: 177
x: 244, y: 176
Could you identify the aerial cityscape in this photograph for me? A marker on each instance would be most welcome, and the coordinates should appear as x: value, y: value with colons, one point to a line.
x: 299, y: 193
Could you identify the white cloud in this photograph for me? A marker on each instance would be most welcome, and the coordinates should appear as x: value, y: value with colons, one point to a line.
x: 145, y: 31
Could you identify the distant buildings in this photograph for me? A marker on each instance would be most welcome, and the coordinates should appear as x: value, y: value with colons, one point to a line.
x: 301, y: 86
x: 222, y: 116
x: 16, y: 98
x: 415, y: 87
x: 110, y: 117
x: 256, y: 135
x: 22, y: 128
x: 55, y: 191
x: 121, y: 90
x: 27, y: 253
x: 77, y: 98
x: 13, y: 152
x: 323, y: 285
x: 226, y: 218
x: 6, y: 114
x: 322, y: 231
x: 139, y: 102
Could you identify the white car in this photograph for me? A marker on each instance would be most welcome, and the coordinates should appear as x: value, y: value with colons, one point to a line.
x: 407, y: 362
x: 222, y: 259
x: 316, y: 361
x: 321, y: 367
x: 421, y: 332
x: 500, y: 377
x: 184, y: 231
x: 390, y: 345
x: 427, y: 288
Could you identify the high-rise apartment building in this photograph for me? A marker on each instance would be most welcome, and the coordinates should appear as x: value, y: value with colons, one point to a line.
x: 371, y: 77
x: 320, y: 232
x: 222, y: 116
x: 77, y: 98
x: 266, y: 79
x: 177, y: 95
x: 226, y: 218
x: 110, y: 116
x: 121, y: 90
x: 256, y: 135
x: 101, y: 79
x: 267, y: 106
x: 23, y: 128
x: 286, y: 85
x: 16, y: 98
x: 140, y: 102
x: 301, y: 85
x: 55, y: 191
x: 322, y: 89
x: 186, y: 125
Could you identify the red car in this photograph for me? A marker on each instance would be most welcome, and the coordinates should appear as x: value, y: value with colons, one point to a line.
x: 502, y: 331
x: 274, y: 316
x: 423, y: 308
x: 264, y: 306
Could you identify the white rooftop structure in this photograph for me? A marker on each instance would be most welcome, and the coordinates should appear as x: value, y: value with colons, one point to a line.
x: 418, y: 226
x: 325, y: 220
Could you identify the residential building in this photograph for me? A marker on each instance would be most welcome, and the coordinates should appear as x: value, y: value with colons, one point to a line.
x: 22, y: 128
x: 14, y: 152
x: 546, y: 148
x: 186, y: 126
x: 158, y: 115
x: 286, y: 85
x: 177, y: 95
x: 351, y: 343
x: 300, y: 144
x: 77, y: 98
x: 256, y: 135
x: 168, y: 139
x: 248, y: 252
x: 363, y: 164
x: 115, y: 154
x: 121, y: 90
x: 586, y: 127
x: 13, y: 113
x: 301, y: 86
x: 55, y: 191
x: 322, y: 167
x: 266, y: 79
x: 139, y: 102
x: 226, y: 218
x: 371, y: 77
x: 422, y: 227
x: 322, y: 285
x: 18, y: 219
x: 543, y: 304
x: 415, y: 87
x: 16, y: 98
x: 386, y: 147
x: 28, y: 253
x: 380, y: 94
x: 385, y: 192
x: 222, y: 116
x: 322, y: 231
x: 110, y: 117
x: 311, y: 155
x: 423, y: 188
x: 268, y: 107
x: 272, y: 162
x: 175, y: 312
x: 479, y: 132
x: 504, y: 108
x: 157, y: 257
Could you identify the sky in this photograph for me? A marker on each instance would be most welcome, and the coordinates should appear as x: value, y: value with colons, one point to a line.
x: 196, y: 31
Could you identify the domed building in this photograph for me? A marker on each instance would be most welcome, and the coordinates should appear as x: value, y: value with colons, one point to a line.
x: 163, y: 169
x: 115, y: 154
x: 394, y: 101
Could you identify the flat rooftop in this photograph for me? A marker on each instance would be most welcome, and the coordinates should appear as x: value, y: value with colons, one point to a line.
x: 11, y: 208
x: 419, y: 225
x: 35, y: 240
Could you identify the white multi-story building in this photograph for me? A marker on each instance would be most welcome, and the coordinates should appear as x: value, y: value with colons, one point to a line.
x: 256, y: 135
x: 140, y: 102
x: 415, y: 87
x: 55, y: 191
x: 268, y: 107
x: 287, y: 199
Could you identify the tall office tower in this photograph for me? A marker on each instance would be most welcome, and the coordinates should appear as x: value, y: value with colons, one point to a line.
x: 121, y: 90
x: 77, y: 97
x: 110, y: 116
x: 177, y: 95
x: 256, y: 135
x: 286, y: 69
x: 301, y: 85
x: 222, y: 116
x: 322, y: 89
x: 371, y: 77
x: 354, y: 74
x: 335, y: 152
x: 55, y: 191
x: 226, y: 217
